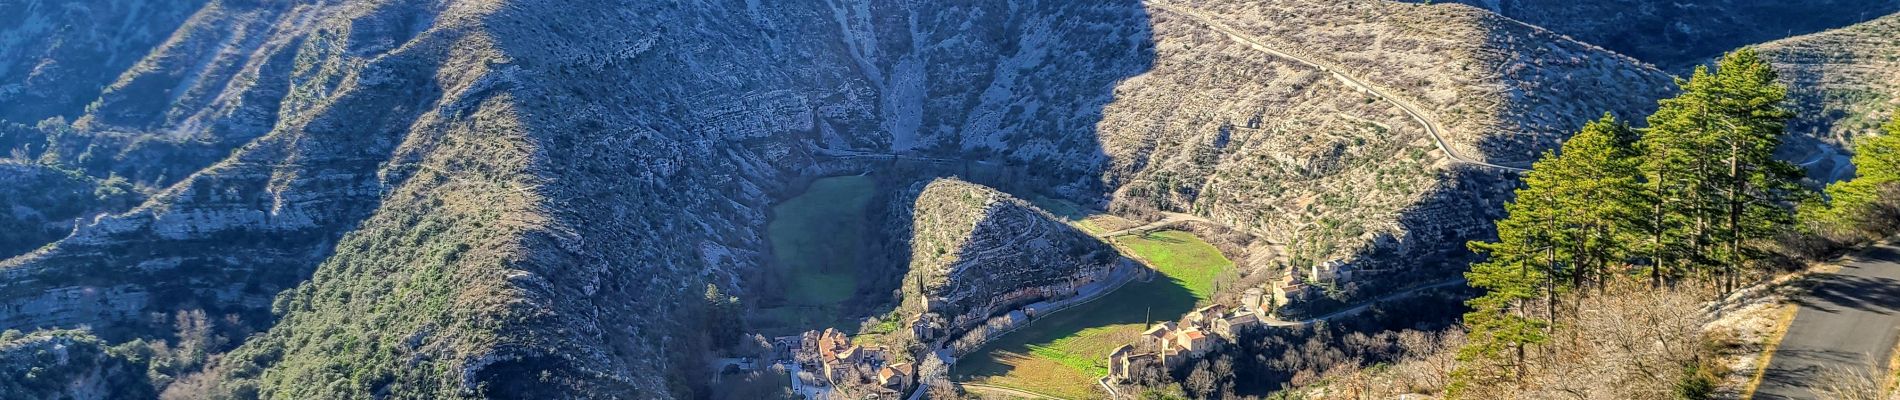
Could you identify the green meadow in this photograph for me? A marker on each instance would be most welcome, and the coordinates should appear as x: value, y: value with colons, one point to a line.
x: 1062, y: 354
x: 818, y: 239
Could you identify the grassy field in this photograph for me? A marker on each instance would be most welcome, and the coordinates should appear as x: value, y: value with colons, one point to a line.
x: 1063, y: 353
x: 818, y: 239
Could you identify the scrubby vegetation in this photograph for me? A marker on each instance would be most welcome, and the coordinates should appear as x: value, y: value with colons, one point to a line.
x: 1843, y: 83
x: 70, y: 364
x: 42, y: 203
x: 1858, y: 210
x: 1325, y: 358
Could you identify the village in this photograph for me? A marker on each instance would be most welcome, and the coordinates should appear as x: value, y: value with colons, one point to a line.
x: 828, y: 364
x: 1168, y: 345
x: 832, y: 364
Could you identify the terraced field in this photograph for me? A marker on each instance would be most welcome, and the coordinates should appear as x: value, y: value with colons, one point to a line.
x: 1063, y: 353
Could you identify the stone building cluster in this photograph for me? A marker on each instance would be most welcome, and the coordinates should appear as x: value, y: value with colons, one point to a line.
x: 1303, y: 284
x: 1171, y: 344
x: 833, y: 359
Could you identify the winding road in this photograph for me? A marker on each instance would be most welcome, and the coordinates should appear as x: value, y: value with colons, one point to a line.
x: 1431, y: 125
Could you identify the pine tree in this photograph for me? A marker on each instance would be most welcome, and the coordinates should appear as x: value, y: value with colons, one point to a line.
x: 1567, y: 225
x: 1756, y: 191
x: 1517, y: 271
x: 1709, y: 163
x: 1675, y: 169
x: 1598, y: 193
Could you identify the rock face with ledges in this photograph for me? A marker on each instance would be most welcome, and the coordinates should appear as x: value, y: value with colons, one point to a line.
x: 55, y: 54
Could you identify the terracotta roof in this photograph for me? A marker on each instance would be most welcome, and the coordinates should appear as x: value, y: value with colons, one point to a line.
x: 1193, y: 334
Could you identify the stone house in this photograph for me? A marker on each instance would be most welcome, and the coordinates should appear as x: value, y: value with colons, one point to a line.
x: 1118, y: 361
x: 1157, y: 336
x: 1289, y: 289
x: 1250, y: 301
x: 1192, y: 341
x: 1226, y: 327
x: 1330, y: 271
x: 896, y: 376
x: 1125, y: 361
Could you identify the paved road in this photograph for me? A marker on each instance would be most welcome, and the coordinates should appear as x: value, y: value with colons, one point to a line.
x: 1850, y: 322
x: 1431, y: 125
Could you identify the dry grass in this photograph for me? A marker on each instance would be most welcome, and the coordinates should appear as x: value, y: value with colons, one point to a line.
x: 1778, y: 329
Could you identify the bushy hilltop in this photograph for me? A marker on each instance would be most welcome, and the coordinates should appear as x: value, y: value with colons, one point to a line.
x: 524, y: 199
x: 1843, y: 83
x: 972, y: 245
x: 70, y: 364
x: 527, y: 198
x: 1680, y: 34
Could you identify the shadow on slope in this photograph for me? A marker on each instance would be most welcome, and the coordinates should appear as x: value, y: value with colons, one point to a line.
x: 1678, y: 35
x: 664, y: 141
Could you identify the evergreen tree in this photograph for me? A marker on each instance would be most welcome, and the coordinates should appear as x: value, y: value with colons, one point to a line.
x: 1675, y: 170
x: 724, y: 318
x: 1756, y: 191
x: 1596, y: 186
x: 1709, y: 164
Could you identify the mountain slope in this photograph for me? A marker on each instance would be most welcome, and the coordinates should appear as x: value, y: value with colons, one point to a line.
x: 1305, y: 157
x: 1843, y: 83
x: 55, y: 54
x: 528, y: 198
x: 1680, y: 34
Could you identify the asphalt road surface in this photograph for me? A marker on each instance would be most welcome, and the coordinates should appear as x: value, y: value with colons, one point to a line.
x: 1849, y: 324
